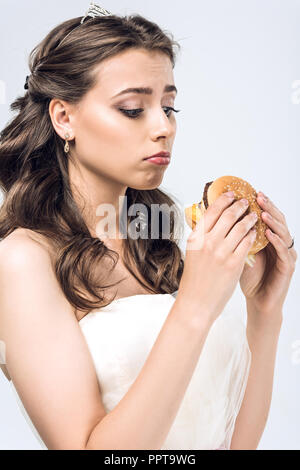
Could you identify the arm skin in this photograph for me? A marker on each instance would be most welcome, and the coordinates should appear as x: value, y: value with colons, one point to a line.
x: 252, y: 417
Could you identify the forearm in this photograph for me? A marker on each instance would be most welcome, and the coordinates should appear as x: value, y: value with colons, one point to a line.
x: 253, y: 414
x: 143, y: 417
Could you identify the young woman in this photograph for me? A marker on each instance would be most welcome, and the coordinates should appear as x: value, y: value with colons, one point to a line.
x: 113, y: 341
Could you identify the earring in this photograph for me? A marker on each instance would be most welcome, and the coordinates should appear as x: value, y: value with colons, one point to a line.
x: 66, y: 148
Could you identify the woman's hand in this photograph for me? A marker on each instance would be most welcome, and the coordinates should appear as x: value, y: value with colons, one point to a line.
x: 265, y: 285
x: 215, y: 254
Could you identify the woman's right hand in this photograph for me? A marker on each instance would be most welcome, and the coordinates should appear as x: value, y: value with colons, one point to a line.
x: 216, y: 251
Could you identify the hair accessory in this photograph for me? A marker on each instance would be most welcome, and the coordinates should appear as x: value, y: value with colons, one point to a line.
x: 26, y: 82
x: 94, y: 10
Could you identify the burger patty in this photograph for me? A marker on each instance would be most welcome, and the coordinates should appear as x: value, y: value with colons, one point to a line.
x: 205, y: 194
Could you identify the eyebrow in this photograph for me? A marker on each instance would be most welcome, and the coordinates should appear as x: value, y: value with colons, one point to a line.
x: 146, y: 90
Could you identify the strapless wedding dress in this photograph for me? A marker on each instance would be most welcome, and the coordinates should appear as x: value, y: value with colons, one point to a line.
x: 120, y: 337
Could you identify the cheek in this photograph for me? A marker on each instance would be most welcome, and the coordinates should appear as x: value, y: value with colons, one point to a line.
x: 102, y: 137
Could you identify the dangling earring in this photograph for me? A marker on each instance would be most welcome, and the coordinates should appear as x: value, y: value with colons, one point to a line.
x: 67, y: 148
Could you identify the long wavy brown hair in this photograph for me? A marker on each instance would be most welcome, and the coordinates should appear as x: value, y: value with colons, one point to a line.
x: 34, y: 167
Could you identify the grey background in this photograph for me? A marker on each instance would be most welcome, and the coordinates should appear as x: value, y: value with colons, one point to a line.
x: 240, y: 116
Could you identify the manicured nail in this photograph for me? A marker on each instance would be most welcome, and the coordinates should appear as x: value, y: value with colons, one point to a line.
x: 263, y: 196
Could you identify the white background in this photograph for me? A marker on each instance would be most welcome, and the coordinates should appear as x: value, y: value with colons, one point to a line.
x: 234, y: 74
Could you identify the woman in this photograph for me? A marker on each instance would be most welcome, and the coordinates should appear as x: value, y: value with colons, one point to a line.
x: 105, y: 355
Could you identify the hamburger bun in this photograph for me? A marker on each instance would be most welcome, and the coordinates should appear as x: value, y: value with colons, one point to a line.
x: 241, y: 189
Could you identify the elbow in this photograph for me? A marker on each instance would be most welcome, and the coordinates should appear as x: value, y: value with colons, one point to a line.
x: 243, y: 447
x: 245, y: 442
x: 96, y: 434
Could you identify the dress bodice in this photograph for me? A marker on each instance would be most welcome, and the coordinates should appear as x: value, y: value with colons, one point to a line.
x: 120, y: 337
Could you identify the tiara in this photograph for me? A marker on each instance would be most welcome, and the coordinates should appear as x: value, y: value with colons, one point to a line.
x: 94, y: 10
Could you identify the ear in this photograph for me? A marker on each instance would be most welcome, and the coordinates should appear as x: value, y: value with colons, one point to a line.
x: 61, y: 114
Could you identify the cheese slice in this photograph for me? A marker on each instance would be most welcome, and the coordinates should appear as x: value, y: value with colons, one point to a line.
x: 250, y: 260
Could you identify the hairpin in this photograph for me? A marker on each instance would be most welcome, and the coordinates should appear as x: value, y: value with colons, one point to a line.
x: 26, y: 82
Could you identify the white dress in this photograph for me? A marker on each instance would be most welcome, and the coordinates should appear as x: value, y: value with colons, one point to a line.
x: 120, y: 337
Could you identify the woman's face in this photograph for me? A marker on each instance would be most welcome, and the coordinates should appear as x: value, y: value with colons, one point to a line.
x: 110, y: 143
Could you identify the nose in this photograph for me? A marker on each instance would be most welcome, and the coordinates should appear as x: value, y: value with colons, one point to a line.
x: 164, y: 126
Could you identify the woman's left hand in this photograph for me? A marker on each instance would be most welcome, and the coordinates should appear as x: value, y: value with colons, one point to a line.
x: 265, y: 285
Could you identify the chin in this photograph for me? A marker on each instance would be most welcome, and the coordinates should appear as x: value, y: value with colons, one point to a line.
x: 148, y: 183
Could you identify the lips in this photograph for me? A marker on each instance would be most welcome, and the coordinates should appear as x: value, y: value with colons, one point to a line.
x: 160, y: 154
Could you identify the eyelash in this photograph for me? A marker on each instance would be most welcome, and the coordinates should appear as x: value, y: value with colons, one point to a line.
x: 128, y: 112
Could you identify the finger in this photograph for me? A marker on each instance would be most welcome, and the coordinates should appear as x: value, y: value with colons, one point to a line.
x: 276, y: 226
x: 239, y: 231
x: 267, y: 205
x: 233, y: 215
x: 245, y: 245
x: 214, y: 211
x: 280, y: 247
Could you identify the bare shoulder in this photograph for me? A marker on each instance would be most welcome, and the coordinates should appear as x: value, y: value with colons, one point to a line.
x: 17, y: 249
x: 26, y: 272
x: 22, y: 243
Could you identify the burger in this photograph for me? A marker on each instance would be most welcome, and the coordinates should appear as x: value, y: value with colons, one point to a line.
x: 241, y: 189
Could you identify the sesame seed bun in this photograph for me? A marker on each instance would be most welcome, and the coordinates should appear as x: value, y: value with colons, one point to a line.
x: 241, y: 189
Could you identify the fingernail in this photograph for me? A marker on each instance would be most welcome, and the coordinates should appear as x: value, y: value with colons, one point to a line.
x: 229, y: 194
x: 263, y: 195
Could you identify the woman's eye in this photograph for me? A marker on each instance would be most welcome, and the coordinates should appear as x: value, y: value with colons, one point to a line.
x: 134, y: 113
